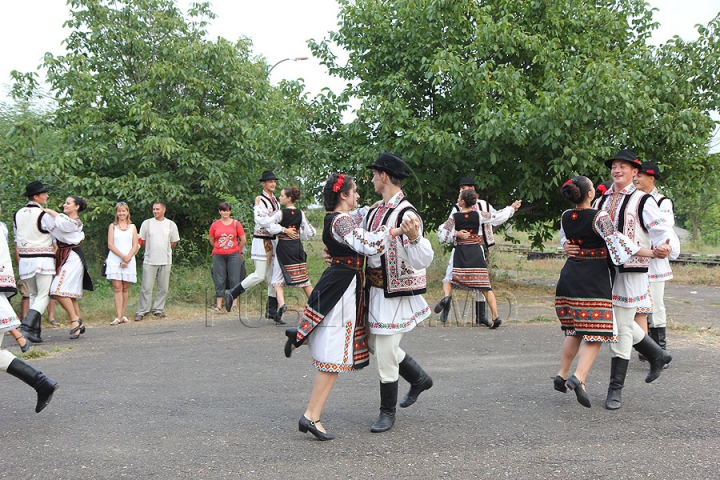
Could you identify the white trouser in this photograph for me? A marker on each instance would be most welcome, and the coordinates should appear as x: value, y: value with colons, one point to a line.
x: 658, y: 319
x: 262, y: 272
x: 161, y: 273
x: 39, y: 288
x: 388, y: 355
x: 6, y: 359
x: 629, y: 332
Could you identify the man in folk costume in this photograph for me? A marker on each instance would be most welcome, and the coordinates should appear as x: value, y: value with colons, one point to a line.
x: 37, y: 256
x: 637, y: 215
x: 263, y: 246
x: 43, y: 385
x: 446, y: 233
x: 395, y: 281
x: 659, y: 271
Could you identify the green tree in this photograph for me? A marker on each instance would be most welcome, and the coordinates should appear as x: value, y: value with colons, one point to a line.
x: 149, y: 109
x: 520, y: 94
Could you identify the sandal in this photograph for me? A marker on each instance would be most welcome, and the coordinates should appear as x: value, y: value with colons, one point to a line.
x: 115, y: 321
x: 54, y: 323
x: 215, y: 309
x: 78, y: 329
x: 125, y: 320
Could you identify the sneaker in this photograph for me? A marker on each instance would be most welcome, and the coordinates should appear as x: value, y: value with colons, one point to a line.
x: 115, y: 321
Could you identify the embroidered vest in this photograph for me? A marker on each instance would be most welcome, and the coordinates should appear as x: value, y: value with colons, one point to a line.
x: 32, y: 239
x: 488, y: 237
x: 272, y: 206
x: 400, y: 279
x: 629, y: 221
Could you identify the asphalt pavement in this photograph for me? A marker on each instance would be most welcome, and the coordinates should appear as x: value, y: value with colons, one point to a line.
x: 179, y: 399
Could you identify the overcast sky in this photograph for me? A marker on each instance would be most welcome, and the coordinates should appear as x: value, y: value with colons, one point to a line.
x: 278, y: 28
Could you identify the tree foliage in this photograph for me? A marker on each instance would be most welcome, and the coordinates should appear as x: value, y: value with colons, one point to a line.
x: 149, y: 109
x: 520, y: 94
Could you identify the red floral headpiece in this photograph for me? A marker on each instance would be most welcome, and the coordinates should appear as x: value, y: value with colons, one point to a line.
x: 568, y: 182
x: 602, y: 189
x: 338, y: 185
x: 650, y: 171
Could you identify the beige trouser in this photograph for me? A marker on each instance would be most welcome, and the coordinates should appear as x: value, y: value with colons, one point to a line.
x: 658, y: 319
x: 6, y: 359
x: 161, y: 273
x: 262, y: 272
x: 39, y: 287
x: 629, y: 332
x: 388, y: 355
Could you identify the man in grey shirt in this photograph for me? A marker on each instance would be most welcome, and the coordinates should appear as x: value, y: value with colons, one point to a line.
x: 158, y: 235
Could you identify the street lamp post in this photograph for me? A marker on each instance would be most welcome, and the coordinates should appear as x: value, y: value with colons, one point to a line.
x: 285, y: 60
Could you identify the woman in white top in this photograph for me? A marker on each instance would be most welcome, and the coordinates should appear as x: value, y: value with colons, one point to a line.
x: 120, y: 263
x: 71, y: 276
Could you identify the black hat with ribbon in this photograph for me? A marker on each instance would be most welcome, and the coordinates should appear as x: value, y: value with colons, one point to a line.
x: 35, y: 188
x: 469, y: 181
x: 626, y: 156
x: 390, y: 164
x: 650, y: 168
x: 267, y: 175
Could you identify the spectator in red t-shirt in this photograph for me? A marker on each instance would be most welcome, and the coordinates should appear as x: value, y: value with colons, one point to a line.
x: 227, y: 237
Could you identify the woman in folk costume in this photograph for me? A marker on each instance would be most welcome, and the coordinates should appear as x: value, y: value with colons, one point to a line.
x: 470, y: 270
x: 43, y: 385
x: 290, y: 260
x: 71, y: 277
x: 333, y: 313
x: 583, y: 296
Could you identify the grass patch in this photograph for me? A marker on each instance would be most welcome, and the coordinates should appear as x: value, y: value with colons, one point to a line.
x: 707, y: 335
x: 34, y: 353
x: 542, y: 319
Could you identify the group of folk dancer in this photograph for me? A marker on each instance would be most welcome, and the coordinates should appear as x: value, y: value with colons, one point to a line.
x: 371, y: 292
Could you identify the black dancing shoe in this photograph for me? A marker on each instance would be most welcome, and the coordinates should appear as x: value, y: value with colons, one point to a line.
x: 573, y: 383
x: 559, y: 384
x: 305, y: 425
x: 496, y: 323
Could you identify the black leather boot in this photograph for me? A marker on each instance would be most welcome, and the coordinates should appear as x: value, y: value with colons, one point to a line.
x: 291, y: 334
x: 660, y: 339
x: 43, y: 385
x: 32, y: 326
x: 271, y: 306
x: 618, y: 370
x: 388, y: 401
x: 481, y: 314
x: 417, y: 377
x: 232, y: 294
x: 443, y: 308
x: 655, y: 355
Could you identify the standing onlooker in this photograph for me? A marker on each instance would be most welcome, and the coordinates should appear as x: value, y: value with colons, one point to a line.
x: 121, y: 269
x: 227, y: 237
x: 37, y: 256
x: 290, y: 269
x: 491, y: 218
x: 43, y: 385
x: 659, y: 271
x: 158, y: 236
x: 71, y: 277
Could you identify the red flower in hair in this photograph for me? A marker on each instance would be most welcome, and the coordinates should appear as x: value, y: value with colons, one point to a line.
x: 568, y: 182
x: 338, y: 185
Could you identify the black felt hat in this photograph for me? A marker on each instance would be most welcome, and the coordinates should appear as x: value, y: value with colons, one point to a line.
x: 267, y: 175
x: 625, y: 155
x: 650, y: 168
x: 391, y: 164
x: 34, y: 188
x: 467, y: 181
